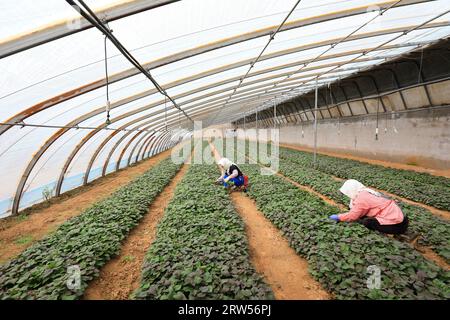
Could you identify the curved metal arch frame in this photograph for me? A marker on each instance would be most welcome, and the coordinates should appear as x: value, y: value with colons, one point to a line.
x: 154, y: 144
x: 100, y: 110
x: 397, y: 84
x: 152, y: 126
x: 144, y: 148
x: 151, y: 144
x: 197, y: 111
x: 59, y: 30
x: 141, y: 148
x: 183, y: 55
x: 161, y: 144
x: 42, y: 150
x: 76, y: 122
x: 137, y: 144
x: 169, y: 134
x: 100, y: 148
x: 143, y: 126
x: 112, y: 151
x: 124, y: 149
x: 66, y: 169
x: 130, y: 156
x: 141, y: 151
x: 148, y: 147
x: 359, y: 99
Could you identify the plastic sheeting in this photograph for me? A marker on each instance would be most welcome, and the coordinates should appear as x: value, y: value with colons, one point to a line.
x: 197, y: 50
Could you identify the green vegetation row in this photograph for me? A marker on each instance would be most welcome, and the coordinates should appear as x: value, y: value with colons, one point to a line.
x: 421, y: 177
x: 339, y: 254
x: 436, y: 194
x: 87, y: 242
x: 201, y: 250
x: 434, y: 231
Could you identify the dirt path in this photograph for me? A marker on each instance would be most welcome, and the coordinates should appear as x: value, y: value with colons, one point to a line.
x: 394, y: 165
x: 303, y: 187
x: 18, y: 233
x: 283, y: 269
x: 121, y: 275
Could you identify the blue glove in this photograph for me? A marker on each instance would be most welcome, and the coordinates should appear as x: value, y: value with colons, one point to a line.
x: 335, y: 217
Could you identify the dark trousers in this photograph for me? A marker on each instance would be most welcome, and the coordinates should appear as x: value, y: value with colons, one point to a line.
x: 373, y: 224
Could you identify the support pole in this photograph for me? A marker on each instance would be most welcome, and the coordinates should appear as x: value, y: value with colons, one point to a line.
x: 256, y: 121
x: 315, y: 124
x: 275, y: 115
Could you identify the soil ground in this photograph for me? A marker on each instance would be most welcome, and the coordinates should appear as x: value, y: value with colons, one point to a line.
x: 425, y: 251
x: 19, y: 232
x: 120, y: 277
x: 283, y: 269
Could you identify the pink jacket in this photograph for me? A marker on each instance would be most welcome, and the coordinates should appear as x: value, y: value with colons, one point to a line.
x: 366, y: 204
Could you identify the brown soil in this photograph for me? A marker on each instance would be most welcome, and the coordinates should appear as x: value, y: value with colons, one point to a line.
x: 120, y: 277
x: 306, y: 188
x: 283, y: 269
x: 270, y: 253
x: 395, y: 165
x: 37, y: 222
x: 432, y: 256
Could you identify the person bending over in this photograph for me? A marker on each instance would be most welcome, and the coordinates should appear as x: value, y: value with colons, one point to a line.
x: 230, y: 172
x: 372, y: 209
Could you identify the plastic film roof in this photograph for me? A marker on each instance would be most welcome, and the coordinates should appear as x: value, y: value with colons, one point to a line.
x: 53, y: 73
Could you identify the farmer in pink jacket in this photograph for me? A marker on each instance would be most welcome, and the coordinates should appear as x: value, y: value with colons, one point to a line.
x: 372, y: 209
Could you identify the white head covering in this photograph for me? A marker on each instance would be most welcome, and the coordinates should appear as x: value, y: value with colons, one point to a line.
x: 225, y: 163
x: 352, y: 187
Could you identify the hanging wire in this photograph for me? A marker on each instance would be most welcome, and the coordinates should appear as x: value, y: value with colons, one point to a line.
x: 252, y: 63
x: 108, y: 104
x: 378, y: 108
x: 420, y: 66
x: 165, y: 111
x: 90, y: 16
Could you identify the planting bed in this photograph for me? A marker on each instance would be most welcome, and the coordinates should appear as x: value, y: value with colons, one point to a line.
x: 87, y: 241
x: 201, y: 250
x: 434, y: 231
x: 339, y: 254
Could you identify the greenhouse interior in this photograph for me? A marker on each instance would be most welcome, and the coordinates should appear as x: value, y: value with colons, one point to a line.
x: 225, y: 150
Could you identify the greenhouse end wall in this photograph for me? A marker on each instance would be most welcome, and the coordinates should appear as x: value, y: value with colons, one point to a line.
x: 421, y: 138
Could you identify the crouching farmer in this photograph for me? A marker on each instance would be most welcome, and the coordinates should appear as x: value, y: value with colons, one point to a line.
x: 230, y: 172
x: 372, y: 209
